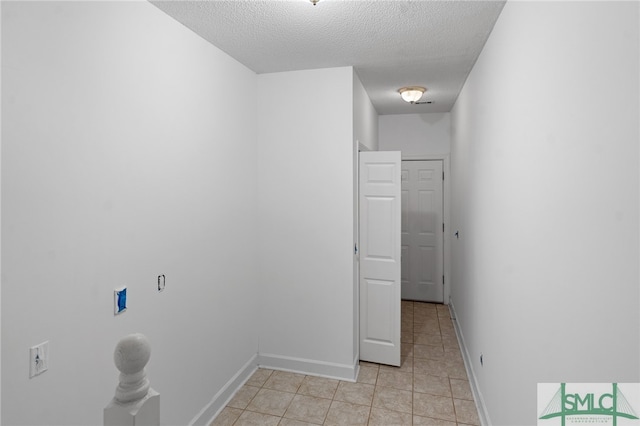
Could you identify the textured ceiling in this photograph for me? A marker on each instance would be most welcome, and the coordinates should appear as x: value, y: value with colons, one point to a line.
x: 390, y: 43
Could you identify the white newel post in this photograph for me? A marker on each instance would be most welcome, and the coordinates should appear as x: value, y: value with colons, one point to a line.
x: 135, y: 403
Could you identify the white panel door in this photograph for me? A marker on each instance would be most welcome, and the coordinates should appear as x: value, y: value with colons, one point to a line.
x: 380, y: 212
x: 422, y: 231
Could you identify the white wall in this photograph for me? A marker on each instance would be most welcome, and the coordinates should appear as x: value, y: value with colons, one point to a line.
x: 545, y: 168
x: 305, y: 209
x: 416, y: 134
x: 128, y: 151
x: 365, y: 116
x: 1, y: 217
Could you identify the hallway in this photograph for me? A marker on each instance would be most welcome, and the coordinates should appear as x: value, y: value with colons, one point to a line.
x: 430, y: 388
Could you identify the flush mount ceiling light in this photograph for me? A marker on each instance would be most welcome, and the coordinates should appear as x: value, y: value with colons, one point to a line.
x: 314, y: 2
x: 411, y: 94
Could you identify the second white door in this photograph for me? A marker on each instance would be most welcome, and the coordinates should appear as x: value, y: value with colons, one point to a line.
x: 422, y: 231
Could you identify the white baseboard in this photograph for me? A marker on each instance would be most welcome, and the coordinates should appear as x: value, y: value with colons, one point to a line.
x: 274, y: 362
x: 310, y: 367
x: 220, y: 400
x: 473, y: 382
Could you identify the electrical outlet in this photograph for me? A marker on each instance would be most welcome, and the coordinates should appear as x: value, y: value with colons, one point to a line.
x: 38, y: 359
x: 161, y: 282
x: 119, y: 300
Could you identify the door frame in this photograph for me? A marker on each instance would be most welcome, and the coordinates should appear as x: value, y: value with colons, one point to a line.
x: 357, y: 148
x: 446, y: 215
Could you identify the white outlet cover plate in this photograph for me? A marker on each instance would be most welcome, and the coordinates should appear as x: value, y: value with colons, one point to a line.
x: 38, y: 359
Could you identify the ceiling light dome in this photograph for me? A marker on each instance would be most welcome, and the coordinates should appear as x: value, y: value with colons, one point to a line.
x: 411, y: 94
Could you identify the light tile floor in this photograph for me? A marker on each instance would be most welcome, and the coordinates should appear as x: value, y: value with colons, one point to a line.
x: 429, y: 388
